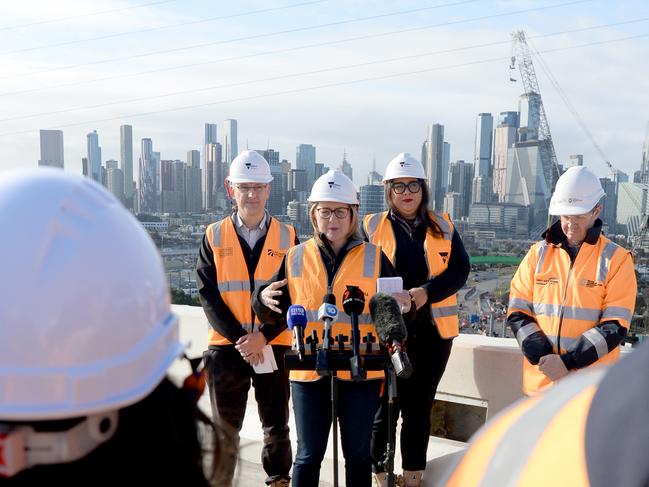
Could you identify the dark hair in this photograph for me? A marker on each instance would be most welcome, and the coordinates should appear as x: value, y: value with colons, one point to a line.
x: 422, y: 212
x: 159, y: 441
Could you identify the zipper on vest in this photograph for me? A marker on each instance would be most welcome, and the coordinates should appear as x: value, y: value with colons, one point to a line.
x: 563, y: 305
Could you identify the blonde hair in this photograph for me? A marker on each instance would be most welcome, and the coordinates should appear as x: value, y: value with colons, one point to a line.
x: 354, y: 229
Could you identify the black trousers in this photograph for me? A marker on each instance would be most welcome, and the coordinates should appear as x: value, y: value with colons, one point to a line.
x: 229, y: 379
x: 429, y: 354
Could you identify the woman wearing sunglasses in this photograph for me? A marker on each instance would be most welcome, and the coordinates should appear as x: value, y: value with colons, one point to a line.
x: 428, y: 254
x: 333, y: 259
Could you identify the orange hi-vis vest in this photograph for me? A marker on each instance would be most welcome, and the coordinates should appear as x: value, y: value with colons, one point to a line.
x: 569, y: 299
x: 232, y: 272
x: 438, y: 252
x: 307, y: 286
x: 536, y: 442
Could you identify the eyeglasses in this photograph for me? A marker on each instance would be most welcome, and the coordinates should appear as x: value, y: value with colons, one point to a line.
x: 577, y: 218
x: 340, y: 212
x: 413, y: 187
x: 258, y: 188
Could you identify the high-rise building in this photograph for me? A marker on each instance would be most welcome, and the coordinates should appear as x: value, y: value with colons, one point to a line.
x: 504, y: 139
x: 193, y: 188
x: 446, y: 161
x: 212, y: 175
x: 460, y: 178
x: 618, y: 176
x: 305, y: 160
x: 632, y: 204
x: 230, y: 145
x: 147, y: 178
x: 172, y: 178
x: 504, y: 219
x: 51, y: 148
x: 126, y: 162
x: 275, y: 204
x: 320, y: 169
x: 529, y: 109
x: 346, y: 168
x: 84, y: 166
x: 433, y: 162
x: 112, y: 164
x: 115, y: 182
x: 452, y: 205
x: 482, y: 186
x: 575, y: 160
x: 644, y: 169
x: 372, y: 199
x: 609, y: 210
x: 94, y: 156
x: 194, y: 158
x: 525, y: 182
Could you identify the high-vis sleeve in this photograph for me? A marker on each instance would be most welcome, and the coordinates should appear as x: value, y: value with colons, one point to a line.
x: 593, y: 345
x: 520, y: 314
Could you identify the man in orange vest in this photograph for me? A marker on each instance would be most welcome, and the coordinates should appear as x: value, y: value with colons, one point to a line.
x: 573, y: 295
x: 238, y: 254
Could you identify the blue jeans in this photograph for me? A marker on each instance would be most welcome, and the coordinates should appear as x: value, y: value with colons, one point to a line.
x: 357, y: 404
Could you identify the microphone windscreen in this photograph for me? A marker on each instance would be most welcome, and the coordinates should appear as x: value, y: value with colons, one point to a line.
x: 386, y: 315
x: 296, y: 316
x: 353, y: 300
x: 329, y: 299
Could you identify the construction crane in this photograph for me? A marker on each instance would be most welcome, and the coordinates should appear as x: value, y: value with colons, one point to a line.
x: 522, y: 57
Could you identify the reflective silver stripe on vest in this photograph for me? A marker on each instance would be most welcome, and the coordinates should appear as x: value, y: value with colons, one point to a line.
x: 284, y: 236
x: 616, y: 312
x: 512, y: 454
x: 369, y: 261
x: 443, y: 311
x: 566, y: 343
x: 598, y: 341
x: 541, y: 252
x: 521, y: 303
x: 444, y: 226
x: 373, y: 224
x: 604, y: 262
x: 525, y: 331
x: 363, y: 318
x: 226, y: 286
x: 570, y: 312
x: 297, y: 256
x: 216, y: 234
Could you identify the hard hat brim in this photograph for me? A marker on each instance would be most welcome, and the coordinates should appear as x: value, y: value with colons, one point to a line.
x: 234, y: 179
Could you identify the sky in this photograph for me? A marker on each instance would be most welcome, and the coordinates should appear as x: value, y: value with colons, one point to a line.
x: 356, y: 76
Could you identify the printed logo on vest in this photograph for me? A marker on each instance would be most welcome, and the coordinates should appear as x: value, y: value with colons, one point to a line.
x: 589, y: 283
x: 545, y: 282
x: 275, y: 253
x: 444, y: 256
x: 226, y: 252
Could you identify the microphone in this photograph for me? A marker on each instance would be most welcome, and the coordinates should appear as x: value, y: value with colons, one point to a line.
x: 354, y: 304
x: 392, y: 331
x: 296, y: 321
x: 327, y: 313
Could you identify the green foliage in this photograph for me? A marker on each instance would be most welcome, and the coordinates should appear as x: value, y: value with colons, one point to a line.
x: 179, y: 297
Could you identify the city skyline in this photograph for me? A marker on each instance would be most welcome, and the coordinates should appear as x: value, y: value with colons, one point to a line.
x: 373, y: 119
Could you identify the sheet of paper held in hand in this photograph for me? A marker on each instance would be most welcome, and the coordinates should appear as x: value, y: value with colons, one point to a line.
x: 389, y: 285
x: 269, y: 364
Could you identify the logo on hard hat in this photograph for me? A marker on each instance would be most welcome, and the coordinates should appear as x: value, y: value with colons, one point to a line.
x: 333, y: 184
x: 404, y: 164
x: 250, y: 165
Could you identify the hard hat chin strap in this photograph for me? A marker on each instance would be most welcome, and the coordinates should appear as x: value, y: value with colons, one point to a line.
x: 22, y: 447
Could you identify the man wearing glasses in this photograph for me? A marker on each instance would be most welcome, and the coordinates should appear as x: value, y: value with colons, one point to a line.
x: 238, y: 254
x: 573, y: 295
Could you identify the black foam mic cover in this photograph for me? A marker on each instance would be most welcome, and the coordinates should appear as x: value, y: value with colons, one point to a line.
x: 386, y: 315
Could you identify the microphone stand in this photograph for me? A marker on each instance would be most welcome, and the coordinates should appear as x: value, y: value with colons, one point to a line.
x: 356, y: 367
x: 388, y: 459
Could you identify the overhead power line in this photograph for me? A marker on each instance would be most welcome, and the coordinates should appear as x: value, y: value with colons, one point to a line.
x: 303, y: 73
x: 82, y: 16
x: 301, y: 29
x: 322, y: 86
x: 163, y: 27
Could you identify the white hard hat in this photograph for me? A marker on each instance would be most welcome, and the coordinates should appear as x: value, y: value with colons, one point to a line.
x: 85, y: 319
x: 577, y: 192
x: 404, y: 166
x: 249, y: 167
x: 334, y: 186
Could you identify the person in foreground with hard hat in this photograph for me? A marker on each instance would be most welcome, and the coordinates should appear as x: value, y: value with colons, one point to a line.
x: 86, y: 338
x: 427, y: 252
x: 589, y: 430
x: 335, y: 257
x: 236, y: 255
x: 573, y: 295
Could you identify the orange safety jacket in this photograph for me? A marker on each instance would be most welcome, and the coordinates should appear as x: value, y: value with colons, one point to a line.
x: 438, y: 253
x: 234, y: 282
x: 536, y: 442
x: 307, y: 286
x: 567, y: 300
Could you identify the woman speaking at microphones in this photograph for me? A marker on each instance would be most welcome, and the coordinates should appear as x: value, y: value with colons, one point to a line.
x: 428, y: 254
x: 333, y: 259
